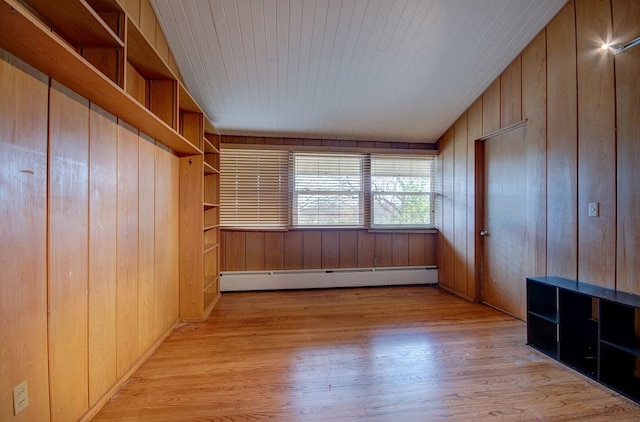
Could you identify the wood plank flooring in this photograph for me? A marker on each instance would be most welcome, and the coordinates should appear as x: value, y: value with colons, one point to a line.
x: 411, y: 353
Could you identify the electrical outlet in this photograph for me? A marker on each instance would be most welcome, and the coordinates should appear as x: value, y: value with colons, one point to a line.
x: 20, y: 397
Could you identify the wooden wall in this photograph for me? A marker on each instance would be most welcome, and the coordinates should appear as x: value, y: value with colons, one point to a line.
x: 327, y: 248
x: 106, y: 273
x: 583, y: 111
x: 141, y: 13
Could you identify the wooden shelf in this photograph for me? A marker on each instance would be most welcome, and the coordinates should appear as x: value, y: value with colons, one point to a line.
x: 208, y: 247
x: 209, y: 148
x: 208, y: 281
x: 79, y: 23
x: 24, y: 36
x: 208, y: 205
x: 143, y: 56
x: 187, y: 103
x: 208, y: 169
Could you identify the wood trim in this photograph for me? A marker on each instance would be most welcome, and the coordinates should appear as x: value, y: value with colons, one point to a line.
x: 503, y: 130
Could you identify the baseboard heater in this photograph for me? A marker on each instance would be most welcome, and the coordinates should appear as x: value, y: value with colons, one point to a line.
x: 233, y: 281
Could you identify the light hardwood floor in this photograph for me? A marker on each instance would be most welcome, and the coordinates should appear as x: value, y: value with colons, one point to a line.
x: 411, y: 353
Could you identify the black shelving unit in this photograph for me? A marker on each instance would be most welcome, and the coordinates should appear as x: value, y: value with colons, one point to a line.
x: 591, y: 329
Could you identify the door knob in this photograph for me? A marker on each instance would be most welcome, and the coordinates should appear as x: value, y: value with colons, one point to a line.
x: 484, y: 233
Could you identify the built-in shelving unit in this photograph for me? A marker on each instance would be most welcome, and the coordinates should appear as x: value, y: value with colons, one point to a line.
x: 211, y: 211
x: 95, y: 49
x: 592, y: 329
x: 200, y: 233
x: 104, y: 76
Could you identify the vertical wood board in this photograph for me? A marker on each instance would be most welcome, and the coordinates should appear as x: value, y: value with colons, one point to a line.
x: 103, y: 171
x: 68, y: 256
x: 23, y: 236
x: 127, y: 248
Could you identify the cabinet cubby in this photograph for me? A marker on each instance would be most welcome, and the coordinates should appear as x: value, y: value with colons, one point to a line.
x: 591, y: 329
x: 105, y: 69
x: 578, y: 332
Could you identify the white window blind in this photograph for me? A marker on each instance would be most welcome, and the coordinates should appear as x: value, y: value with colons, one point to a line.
x: 254, y: 188
x: 402, y: 191
x: 328, y: 189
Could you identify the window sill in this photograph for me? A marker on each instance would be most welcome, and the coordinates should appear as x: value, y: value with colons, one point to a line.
x: 401, y: 230
x: 322, y: 228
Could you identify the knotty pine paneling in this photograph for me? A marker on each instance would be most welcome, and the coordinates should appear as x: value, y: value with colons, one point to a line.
x: 562, y: 145
x: 68, y: 256
x: 103, y: 172
x: 127, y: 249
x: 626, y: 25
x: 459, y: 195
x: 147, y: 332
x: 596, y: 144
x: 23, y: 212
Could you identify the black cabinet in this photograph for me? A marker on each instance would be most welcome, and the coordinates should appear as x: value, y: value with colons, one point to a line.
x: 591, y: 329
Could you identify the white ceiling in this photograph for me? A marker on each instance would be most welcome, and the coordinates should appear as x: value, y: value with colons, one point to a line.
x: 381, y: 70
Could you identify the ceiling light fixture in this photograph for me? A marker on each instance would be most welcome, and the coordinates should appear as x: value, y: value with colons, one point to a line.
x: 619, y: 48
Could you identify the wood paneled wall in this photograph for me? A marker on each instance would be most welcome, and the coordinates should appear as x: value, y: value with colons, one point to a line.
x: 324, y: 248
x: 107, y: 273
x: 141, y: 13
x: 328, y: 248
x: 23, y: 237
x: 582, y: 146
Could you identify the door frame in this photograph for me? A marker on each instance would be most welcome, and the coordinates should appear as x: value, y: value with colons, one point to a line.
x: 479, y: 179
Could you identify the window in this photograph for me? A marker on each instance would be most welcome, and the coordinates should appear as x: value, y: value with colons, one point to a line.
x: 279, y: 189
x: 253, y: 188
x: 328, y: 190
x: 401, y: 191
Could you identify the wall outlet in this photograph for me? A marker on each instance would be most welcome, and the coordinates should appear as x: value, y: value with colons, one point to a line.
x: 20, y: 397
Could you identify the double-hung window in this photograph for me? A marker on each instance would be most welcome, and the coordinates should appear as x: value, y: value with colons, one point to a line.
x: 402, y: 191
x: 328, y: 189
x: 280, y: 189
x: 254, y: 188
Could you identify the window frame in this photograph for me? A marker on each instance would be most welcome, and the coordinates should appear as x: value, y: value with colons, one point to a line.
x: 294, y: 193
x: 366, y: 195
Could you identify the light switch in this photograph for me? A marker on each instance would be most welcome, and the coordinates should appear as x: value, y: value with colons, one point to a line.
x: 594, y: 209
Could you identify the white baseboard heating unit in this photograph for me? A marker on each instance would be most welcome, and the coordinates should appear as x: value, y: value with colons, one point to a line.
x: 233, y: 281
